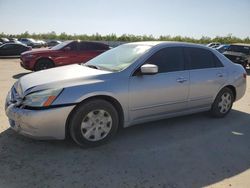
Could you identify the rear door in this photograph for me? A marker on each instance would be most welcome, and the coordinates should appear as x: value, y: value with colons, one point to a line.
x: 165, y: 92
x: 207, y: 75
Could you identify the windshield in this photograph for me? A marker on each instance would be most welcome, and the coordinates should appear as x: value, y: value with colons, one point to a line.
x: 61, y: 45
x: 236, y: 48
x: 118, y: 58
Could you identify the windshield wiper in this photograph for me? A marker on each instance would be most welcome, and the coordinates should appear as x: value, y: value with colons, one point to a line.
x: 92, y: 66
x: 98, y: 67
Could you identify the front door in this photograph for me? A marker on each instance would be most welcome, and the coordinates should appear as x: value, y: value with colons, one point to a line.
x: 165, y: 92
x: 68, y: 55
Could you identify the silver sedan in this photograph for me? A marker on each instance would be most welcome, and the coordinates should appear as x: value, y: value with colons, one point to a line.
x: 127, y: 85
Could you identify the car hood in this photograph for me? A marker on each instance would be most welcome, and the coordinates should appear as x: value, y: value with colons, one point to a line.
x: 38, y: 51
x: 60, y: 77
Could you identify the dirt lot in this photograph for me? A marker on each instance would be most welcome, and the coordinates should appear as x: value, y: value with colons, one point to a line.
x: 190, y: 151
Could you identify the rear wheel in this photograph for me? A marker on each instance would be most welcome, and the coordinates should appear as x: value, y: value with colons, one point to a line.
x: 43, y: 64
x: 223, y: 103
x: 93, y: 123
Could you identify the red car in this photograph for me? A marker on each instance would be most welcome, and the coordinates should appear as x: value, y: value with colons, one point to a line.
x: 68, y: 52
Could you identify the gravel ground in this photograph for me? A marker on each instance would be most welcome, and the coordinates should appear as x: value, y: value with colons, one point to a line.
x: 189, y: 151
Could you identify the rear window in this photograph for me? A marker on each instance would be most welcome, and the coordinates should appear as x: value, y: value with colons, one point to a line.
x: 217, y: 62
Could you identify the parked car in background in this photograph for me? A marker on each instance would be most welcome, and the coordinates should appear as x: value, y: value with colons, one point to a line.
x: 68, y: 52
x: 222, y: 48
x: 130, y: 84
x: 52, y: 43
x: 213, y: 44
x: 1, y: 43
x: 239, y: 53
x: 30, y: 42
x: 42, y: 43
x: 13, y: 49
x: 14, y: 40
x: 4, y: 40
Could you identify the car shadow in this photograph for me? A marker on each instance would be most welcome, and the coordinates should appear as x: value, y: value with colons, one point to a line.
x: 189, y: 151
x: 17, y: 76
x: 9, y: 57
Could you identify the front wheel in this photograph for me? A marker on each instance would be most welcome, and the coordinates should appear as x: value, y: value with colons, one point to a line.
x: 93, y: 123
x: 43, y: 64
x: 222, y: 103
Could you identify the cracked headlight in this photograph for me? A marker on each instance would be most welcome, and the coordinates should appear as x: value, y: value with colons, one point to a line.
x: 41, y: 98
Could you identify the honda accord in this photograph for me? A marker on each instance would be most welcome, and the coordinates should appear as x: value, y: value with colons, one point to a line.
x: 127, y: 85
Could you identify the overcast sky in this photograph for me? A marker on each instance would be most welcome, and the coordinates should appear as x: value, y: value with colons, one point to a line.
x: 193, y: 18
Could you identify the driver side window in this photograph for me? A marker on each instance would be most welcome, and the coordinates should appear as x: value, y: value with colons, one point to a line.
x: 168, y: 59
x: 73, y: 46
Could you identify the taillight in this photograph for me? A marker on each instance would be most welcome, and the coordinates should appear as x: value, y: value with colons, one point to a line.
x: 244, y: 75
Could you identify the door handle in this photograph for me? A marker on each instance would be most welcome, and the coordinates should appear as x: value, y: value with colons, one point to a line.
x: 181, y: 80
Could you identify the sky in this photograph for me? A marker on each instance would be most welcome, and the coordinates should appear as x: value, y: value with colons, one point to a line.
x: 192, y: 18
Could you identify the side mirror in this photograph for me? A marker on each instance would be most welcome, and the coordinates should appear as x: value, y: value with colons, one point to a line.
x: 67, y: 48
x: 149, y: 69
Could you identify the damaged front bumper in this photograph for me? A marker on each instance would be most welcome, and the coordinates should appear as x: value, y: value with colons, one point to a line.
x: 39, y: 124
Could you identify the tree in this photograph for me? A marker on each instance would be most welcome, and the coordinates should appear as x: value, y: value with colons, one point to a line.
x: 228, y: 39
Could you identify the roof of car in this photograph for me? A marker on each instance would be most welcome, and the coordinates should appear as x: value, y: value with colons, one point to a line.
x: 157, y: 43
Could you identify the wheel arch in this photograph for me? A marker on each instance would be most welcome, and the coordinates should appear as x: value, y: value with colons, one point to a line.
x: 229, y: 86
x: 47, y: 58
x: 108, y: 98
x: 233, y: 89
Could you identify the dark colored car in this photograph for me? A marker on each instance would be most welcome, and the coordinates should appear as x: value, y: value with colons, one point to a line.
x: 52, y: 43
x: 68, y: 52
x: 13, y: 49
x: 239, y: 53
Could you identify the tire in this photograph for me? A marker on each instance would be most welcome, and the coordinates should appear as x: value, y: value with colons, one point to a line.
x: 93, y: 123
x: 222, y: 103
x: 43, y: 64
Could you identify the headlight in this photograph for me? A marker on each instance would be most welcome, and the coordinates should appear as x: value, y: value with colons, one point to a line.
x: 30, y: 56
x: 42, y: 98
